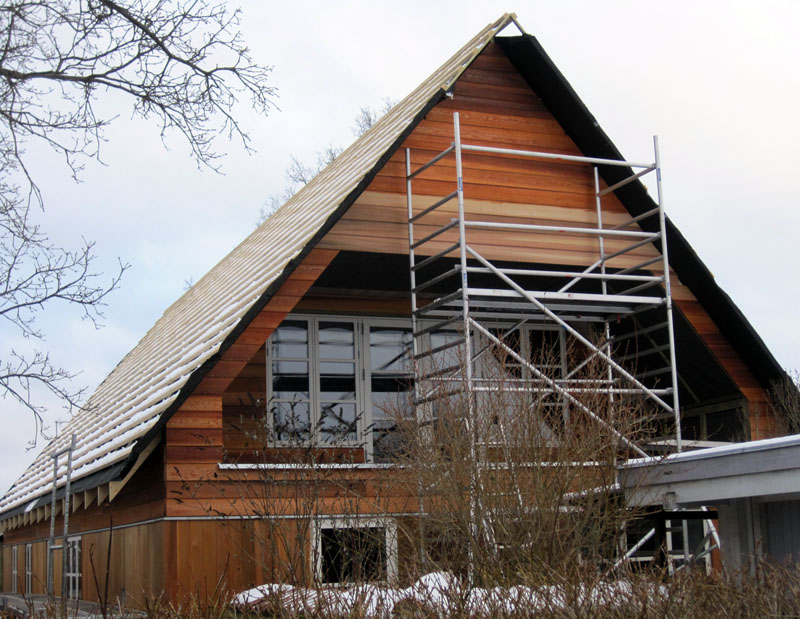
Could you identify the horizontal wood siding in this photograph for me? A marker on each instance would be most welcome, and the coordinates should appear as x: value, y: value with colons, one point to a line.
x: 497, y: 108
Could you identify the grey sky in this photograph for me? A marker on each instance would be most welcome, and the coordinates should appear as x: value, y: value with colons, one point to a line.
x: 717, y: 81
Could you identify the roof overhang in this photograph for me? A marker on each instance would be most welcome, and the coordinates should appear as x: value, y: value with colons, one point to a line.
x: 767, y: 470
x: 536, y: 67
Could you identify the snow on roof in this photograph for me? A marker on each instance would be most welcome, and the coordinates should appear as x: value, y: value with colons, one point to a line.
x: 130, y: 401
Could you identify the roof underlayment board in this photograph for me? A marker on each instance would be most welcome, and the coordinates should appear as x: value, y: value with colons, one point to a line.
x: 129, y: 407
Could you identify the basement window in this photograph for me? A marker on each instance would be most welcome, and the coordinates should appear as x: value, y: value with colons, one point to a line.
x: 355, y: 550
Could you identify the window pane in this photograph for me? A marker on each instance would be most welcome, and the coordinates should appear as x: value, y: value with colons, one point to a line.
x: 353, y: 555
x: 290, y: 339
x: 336, y: 340
x: 335, y: 368
x: 391, y: 397
x: 448, y: 356
x: 390, y: 349
x: 290, y: 380
x: 338, y: 423
x: 292, y: 421
x: 337, y: 381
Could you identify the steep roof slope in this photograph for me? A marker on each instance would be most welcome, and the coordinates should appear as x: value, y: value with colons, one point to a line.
x: 152, y: 377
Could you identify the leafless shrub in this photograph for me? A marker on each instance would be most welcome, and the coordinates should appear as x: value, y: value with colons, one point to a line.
x: 785, y: 398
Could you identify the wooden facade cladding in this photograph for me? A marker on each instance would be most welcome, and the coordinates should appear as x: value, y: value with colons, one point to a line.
x: 497, y: 108
x: 194, y: 435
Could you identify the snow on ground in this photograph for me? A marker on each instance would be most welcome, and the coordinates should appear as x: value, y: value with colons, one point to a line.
x: 439, y: 593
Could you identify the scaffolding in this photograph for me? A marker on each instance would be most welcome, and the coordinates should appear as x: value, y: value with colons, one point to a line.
x: 620, y: 317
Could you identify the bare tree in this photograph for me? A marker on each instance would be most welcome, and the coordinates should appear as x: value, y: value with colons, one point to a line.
x: 180, y: 63
x: 299, y: 173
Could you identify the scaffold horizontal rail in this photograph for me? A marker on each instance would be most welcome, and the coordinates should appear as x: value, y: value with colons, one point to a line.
x: 434, y: 234
x: 555, y: 156
x: 605, y: 232
x: 423, y: 263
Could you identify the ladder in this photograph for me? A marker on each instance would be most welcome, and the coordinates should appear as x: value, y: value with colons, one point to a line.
x: 64, y: 545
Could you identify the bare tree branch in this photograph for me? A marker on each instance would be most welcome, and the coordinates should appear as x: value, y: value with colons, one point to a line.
x: 180, y: 63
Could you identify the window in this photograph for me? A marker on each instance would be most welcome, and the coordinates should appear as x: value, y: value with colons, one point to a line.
x: 28, y: 568
x: 14, y: 573
x: 73, y: 573
x: 390, y: 370
x: 339, y: 381
x: 355, y: 550
x: 312, y: 381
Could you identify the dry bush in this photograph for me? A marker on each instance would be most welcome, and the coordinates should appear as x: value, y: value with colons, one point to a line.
x: 518, y: 485
x: 785, y: 398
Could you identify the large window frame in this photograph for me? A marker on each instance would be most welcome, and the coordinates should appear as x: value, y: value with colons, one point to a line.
x: 366, y: 425
x: 318, y: 403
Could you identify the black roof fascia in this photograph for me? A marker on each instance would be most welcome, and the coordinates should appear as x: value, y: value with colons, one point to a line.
x: 99, y: 478
x: 544, y: 78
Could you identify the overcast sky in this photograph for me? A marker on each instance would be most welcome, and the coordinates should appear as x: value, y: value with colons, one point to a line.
x: 717, y: 81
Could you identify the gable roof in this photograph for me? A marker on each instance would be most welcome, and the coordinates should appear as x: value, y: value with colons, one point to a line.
x: 131, y: 405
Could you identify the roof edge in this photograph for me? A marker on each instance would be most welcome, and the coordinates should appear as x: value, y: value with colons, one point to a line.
x: 197, y: 376
x: 529, y: 58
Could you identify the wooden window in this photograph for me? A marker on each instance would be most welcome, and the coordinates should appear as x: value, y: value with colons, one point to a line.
x: 14, y: 572
x: 314, y: 390
x: 290, y: 392
x: 345, y: 381
x: 390, y: 377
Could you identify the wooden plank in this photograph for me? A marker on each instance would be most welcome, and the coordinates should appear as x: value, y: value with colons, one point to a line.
x: 193, y: 437
x: 196, y: 420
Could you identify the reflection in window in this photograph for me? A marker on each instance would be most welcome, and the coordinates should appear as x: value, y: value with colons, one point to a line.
x: 290, y: 404
x: 390, y: 380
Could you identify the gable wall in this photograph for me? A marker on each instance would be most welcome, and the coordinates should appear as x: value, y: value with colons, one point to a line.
x: 497, y: 108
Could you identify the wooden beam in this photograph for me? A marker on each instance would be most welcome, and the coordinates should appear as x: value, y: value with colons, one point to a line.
x: 102, y: 493
x: 88, y: 498
x: 114, y: 487
x: 77, y: 501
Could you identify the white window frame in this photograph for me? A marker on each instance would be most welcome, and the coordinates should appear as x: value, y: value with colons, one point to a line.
x: 28, y: 568
x: 363, y: 371
x: 313, y: 359
x: 73, y: 571
x: 365, y: 326
x: 14, y: 569
x: 389, y: 525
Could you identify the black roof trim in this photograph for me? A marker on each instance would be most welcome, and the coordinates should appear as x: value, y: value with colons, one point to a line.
x: 535, y: 66
x: 112, y: 473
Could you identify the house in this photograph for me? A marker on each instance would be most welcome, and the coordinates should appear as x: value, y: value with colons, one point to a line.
x: 300, y: 337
